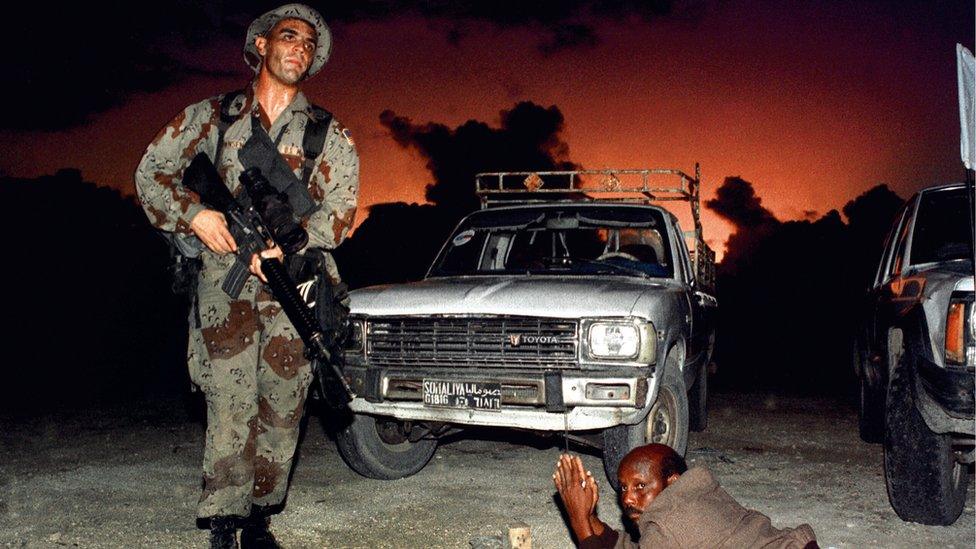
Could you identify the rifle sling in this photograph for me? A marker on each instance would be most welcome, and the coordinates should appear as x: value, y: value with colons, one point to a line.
x: 224, y: 121
x: 313, y: 139
x: 313, y: 142
x: 261, y: 152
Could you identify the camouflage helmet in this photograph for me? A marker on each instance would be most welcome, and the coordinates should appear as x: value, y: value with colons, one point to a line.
x: 263, y: 24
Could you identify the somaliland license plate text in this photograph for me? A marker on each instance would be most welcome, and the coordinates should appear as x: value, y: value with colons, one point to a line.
x: 466, y: 395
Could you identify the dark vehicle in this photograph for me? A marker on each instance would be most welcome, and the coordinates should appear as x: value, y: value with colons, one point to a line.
x: 915, y: 355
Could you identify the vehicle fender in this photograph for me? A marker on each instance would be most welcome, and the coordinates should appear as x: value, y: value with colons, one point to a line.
x: 668, y: 308
x: 672, y: 348
x: 910, y: 337
x: 936, y: 293
x: 895, y: 348
x: 679, y: 349
x: 908, y: 331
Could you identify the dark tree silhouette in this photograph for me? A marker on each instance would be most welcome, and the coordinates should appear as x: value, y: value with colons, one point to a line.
x: 789, y: 291
x: 91, y: 314
x: 396, y: 243
x: 870, y: 216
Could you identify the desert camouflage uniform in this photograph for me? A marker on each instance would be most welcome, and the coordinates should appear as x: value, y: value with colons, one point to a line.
x: 245, y: 355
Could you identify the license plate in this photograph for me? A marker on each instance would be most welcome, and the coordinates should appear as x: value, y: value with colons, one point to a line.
x: 466, y: 395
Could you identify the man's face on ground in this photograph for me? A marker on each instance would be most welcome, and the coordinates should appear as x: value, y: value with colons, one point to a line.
x: 640, y: 483
x: 287, y: 50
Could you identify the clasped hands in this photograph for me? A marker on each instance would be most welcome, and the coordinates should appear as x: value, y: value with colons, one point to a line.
x: 580, y: 494
x: 210, y: 226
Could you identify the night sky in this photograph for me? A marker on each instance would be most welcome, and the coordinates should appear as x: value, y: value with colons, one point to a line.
x: 813, y: 102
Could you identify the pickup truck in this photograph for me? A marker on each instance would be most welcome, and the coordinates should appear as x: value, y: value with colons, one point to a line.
x: 572, y: 303
x: 915, y: 355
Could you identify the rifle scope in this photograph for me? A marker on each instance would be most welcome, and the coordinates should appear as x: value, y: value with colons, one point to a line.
x: 274, y: 209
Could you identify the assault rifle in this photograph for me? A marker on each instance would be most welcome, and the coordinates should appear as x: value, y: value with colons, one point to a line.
x: 267, y: 218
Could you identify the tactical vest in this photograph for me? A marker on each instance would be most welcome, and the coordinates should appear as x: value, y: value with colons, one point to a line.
x: 186, y: 250
x: 308, y: 270
x: 313, y: 141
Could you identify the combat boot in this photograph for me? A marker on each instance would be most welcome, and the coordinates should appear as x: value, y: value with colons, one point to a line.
x: 256, y: 535
x: 223, y: 533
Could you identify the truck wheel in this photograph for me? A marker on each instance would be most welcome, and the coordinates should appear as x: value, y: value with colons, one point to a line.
x: 925, y: 482
x: 378, y: 448
x: 698, y: 402
x: 666, y: 423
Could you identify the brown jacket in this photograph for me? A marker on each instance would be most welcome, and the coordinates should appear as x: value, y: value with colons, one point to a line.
x: 696, y: 512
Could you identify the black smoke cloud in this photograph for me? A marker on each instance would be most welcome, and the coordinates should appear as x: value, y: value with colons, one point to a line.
x: 398, y: 241
x: 736, y: 202
x: 869, y: 217
x: 790, y: 291
x: 527, y: 139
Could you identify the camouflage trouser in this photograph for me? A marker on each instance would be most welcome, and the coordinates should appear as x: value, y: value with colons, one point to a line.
x: 247, y: 359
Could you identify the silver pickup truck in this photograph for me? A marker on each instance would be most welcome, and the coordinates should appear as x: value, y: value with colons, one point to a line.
x: 570, y: 303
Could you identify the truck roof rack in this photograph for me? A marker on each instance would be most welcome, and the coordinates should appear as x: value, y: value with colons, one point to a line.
x: 641, y: 186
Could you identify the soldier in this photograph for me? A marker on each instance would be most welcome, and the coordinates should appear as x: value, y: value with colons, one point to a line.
x: 244, y: 353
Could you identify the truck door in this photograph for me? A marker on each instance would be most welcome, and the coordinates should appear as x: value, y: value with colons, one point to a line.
x: 701, y: 308
x: 882, y: 302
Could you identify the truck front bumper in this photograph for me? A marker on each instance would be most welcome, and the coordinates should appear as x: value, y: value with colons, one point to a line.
x: 576, y: 419
x: 946, y: 397
x: 544, y: 401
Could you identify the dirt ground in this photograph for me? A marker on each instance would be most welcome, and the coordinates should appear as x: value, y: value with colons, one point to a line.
x: 129, y: 478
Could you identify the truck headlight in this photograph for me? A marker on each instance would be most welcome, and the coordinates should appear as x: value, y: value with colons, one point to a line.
x: 960, y: 344
x: 620, y: 340
x: 355, y: 339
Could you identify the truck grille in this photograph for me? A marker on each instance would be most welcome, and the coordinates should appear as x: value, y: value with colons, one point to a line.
x: 498, y: 342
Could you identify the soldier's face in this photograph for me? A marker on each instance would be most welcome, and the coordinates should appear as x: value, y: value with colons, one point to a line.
x: 287, y: 50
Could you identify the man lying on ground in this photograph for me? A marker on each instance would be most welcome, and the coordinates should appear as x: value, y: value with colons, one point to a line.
x: 671, y: 506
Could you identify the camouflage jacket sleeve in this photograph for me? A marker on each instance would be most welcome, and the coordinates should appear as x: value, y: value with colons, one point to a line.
x: 334, y: 185
x: 170, y: 207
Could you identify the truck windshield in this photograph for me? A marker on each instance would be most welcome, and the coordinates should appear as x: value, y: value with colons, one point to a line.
x: 613, y: 240
x: 942, y: 230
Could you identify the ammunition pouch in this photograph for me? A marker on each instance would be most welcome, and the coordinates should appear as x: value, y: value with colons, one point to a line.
x: 184, y: 269
x: 187, y: 245
x: 185, y: 272
x: 185, y: 264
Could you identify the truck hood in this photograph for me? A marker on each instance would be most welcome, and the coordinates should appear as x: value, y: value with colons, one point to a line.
x: 543, y: 296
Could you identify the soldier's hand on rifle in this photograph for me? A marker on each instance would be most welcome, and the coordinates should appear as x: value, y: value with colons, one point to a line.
x: 271, y: 253
x: 210, y: 226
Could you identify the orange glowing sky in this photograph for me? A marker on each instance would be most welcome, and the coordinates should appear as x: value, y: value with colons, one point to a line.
x: 811, y: 106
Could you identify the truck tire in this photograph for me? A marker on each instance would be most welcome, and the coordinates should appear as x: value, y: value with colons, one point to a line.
x: 375, y: 448
x: 698, y: 402
x: 666, y: 422
x: 926, y: 483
